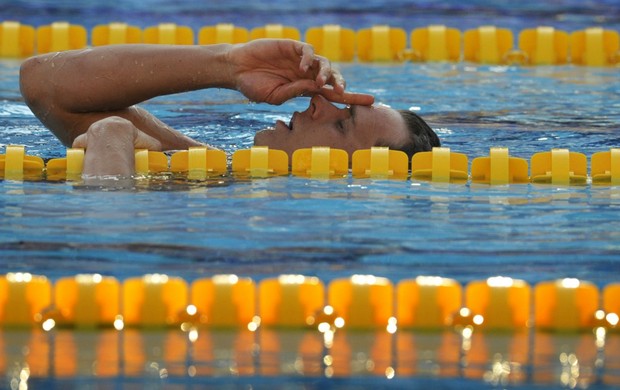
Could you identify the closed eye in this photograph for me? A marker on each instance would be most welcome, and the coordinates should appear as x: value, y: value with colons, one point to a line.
x: 340, y: 126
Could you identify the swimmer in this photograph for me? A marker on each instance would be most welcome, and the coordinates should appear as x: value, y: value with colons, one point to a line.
x: 89, y: 98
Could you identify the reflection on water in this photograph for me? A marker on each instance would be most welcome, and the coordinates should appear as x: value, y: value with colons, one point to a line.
x: 208, y: 356
x: 322, y: 228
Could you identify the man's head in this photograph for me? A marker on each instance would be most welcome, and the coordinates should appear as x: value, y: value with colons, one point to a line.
x: 350, y: 129
x: 421, y: 137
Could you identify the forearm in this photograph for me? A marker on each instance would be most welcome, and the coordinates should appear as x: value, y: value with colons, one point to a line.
x: 111, y: 78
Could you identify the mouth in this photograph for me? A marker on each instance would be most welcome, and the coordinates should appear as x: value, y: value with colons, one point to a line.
x: 291, y: 123
x: 288, y: 126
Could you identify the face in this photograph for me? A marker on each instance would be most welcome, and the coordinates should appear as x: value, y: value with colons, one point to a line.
x: 323, y: 124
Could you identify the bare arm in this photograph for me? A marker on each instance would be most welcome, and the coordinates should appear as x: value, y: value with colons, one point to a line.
x: 114, y: 77
x: 69, y: 91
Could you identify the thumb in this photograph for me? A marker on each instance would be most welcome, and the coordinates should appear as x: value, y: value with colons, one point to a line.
x: 80, y: 141
x: 292, y: 90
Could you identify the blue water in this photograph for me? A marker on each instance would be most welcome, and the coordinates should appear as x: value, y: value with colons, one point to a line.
x: 397, y: 229
x: 394, y: 229
x: 569, y: 14
x: 329, y: 228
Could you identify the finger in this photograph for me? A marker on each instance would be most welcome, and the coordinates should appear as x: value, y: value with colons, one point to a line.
x: 80, y: 141
x: 361, y: 99
x: 307, y: 57
x: 325, y: 71
x: 145, y: 141
x: 337, y: 81
x: 292, y: 90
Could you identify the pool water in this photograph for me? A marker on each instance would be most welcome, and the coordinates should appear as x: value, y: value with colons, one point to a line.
x: 328, y: 228
x: 352, y: 225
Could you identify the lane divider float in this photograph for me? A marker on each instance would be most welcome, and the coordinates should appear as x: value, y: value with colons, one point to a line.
x: 486, y: 44
x: 558, y: 167
x: 297, y: 301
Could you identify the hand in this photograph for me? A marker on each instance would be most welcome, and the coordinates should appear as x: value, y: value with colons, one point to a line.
x: 274, y: 71
x: 110, y: 145
x: 107, y: 136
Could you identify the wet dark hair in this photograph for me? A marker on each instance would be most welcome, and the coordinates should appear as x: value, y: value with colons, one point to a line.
x: 421, y: 137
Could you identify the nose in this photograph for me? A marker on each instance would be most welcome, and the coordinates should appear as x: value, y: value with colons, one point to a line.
x: 320, y: 106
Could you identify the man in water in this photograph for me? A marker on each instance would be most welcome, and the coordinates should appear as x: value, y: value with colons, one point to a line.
x: 88, y: 98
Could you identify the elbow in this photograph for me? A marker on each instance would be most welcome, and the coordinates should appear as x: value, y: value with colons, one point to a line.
x: 28, y: 81
x: 31, y: 83
x: 42, y: 93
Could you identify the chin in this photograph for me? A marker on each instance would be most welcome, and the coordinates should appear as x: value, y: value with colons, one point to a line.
x: 260, y: 138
